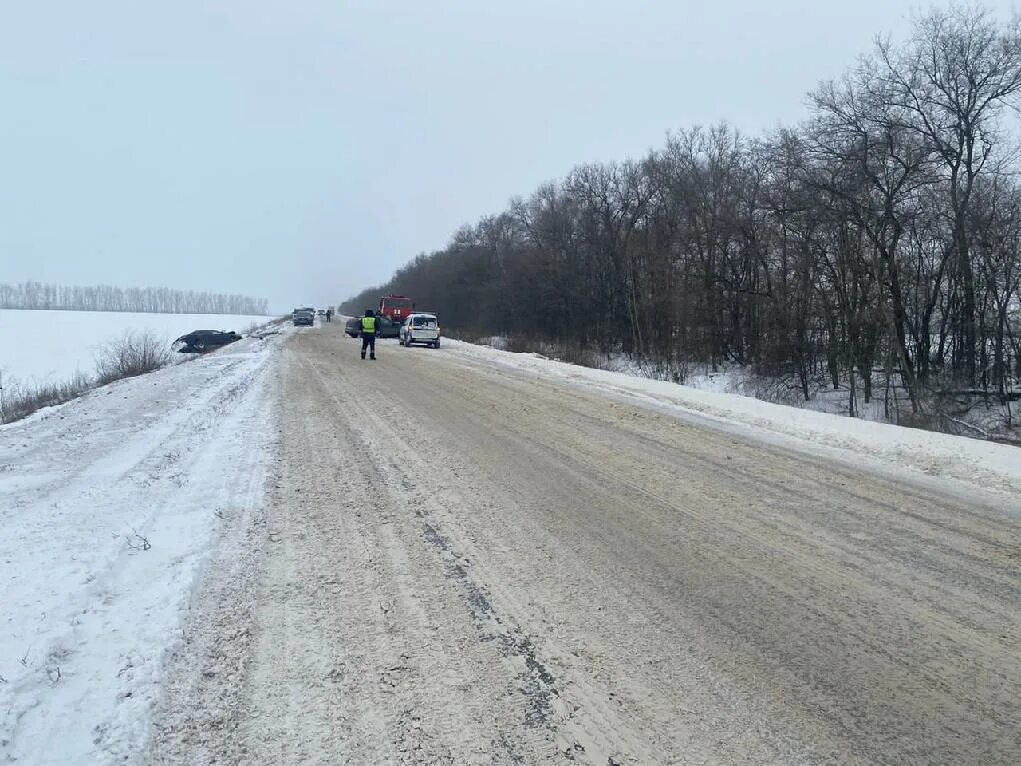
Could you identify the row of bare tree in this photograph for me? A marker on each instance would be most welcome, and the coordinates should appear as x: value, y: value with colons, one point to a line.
x: 158, y: 300
x: 884, y: 233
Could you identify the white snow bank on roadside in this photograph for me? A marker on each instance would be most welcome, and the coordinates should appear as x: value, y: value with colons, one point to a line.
x: 962, y: 463
x: 109, y: 506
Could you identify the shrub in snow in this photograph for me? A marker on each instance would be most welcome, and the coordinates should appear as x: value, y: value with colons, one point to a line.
x: 18, y: 401
x: 134, y: 353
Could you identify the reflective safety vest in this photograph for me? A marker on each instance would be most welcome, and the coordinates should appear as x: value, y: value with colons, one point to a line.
x: 369, y: 325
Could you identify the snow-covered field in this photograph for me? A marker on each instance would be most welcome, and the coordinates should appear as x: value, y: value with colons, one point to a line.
x: 53, y: 346
x: 111, y: 505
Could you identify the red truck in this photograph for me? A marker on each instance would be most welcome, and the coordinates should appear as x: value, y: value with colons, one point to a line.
x: 396, y: 307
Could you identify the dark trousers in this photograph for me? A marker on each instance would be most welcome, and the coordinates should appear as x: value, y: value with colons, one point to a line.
x: 369, y: 342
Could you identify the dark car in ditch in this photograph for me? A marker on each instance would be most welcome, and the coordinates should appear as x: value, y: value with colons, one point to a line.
x: 201, y: 341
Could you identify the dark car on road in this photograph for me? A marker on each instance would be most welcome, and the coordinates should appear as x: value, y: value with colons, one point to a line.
x: 385, y: 328
x: 304, y: 317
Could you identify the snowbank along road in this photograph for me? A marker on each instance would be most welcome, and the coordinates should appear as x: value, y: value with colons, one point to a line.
x: 109, y: 508
x: 461, y: 564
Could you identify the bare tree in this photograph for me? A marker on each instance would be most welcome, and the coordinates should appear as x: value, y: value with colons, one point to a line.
x: 948, y: 85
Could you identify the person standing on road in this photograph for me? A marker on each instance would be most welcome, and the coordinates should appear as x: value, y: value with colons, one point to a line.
x: 329, y: 315
x: 369, y: 334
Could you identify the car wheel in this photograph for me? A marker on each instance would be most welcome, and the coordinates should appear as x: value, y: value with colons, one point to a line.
x: 436, y: 344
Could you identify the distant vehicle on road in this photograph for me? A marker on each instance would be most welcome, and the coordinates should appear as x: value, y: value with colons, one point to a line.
x: 303, y: 317
x: 201, y: 341
x: 420, y: 328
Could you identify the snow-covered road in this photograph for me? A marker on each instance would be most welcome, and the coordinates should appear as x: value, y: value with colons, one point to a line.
x: 462, y: 563
x: 466, y: 556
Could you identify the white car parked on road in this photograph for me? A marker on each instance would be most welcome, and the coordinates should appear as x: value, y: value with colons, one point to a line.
x: 420, y: 328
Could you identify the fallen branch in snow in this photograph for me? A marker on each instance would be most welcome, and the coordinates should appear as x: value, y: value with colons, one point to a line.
x: 24, y: 657
x: 144, y: 544
x: 982, y: 433
x: 262, y: 335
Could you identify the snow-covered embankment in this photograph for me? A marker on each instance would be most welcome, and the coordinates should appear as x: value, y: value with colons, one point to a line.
x: 109, y: 506
x: 969, y: 467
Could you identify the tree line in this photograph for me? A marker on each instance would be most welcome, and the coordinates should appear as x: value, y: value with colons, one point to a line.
x: 155, y: 300
x: 881, y: 234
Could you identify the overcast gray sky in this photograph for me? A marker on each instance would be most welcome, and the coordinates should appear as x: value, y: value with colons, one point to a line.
x: 301, y: 151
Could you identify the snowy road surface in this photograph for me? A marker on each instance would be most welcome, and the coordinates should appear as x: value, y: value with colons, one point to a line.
x: 461, y: 563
